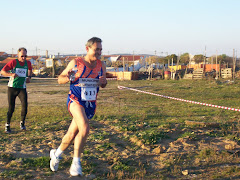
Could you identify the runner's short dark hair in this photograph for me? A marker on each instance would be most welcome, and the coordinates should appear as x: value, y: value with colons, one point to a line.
x: 93, y: 40
x: 22, y: 49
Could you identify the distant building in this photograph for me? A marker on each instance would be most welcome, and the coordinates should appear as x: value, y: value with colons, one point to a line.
x: 131, y: 62
x: 69, y: 58
x: 33, y: 59
x: 127, y: 58
x: 3, y: 54
x: 12, y: 55
x: 5, y: 61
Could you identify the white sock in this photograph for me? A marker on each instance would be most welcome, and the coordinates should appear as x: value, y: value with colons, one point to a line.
x: 58, y: 152
x: 76, y: 159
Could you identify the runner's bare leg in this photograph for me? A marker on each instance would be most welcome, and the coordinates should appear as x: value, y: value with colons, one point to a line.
x: 82, y: 122
x: 69, y: 136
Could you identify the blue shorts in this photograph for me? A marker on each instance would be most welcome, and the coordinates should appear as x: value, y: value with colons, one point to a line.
x: 89, y: 106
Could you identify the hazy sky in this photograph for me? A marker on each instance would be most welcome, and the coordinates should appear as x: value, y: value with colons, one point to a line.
x: 125, y: 26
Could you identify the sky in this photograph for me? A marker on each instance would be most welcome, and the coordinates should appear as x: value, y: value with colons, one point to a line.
x: 157, y: 27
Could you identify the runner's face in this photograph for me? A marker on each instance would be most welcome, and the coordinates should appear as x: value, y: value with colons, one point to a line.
x: 22, y: 55
x: 95, y: 51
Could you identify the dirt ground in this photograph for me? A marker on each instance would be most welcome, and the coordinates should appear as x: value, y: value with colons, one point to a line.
x: 152, y: 155
x: 37, y: 95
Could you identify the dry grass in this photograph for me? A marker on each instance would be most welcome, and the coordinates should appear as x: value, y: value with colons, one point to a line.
x: 133, y: 135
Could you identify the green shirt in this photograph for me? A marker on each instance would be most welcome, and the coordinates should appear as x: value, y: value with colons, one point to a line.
x: 22, y: 72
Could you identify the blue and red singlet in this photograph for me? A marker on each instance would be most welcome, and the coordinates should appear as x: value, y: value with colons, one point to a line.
x: 84, y: 88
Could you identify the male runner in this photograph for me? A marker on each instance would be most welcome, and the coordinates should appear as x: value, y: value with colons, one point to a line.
x: 20, y: 71
x: 81, y: 101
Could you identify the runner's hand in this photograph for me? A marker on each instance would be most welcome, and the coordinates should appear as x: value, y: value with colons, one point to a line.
x: 27, y: 80
x: 102, y: 81
x: 14, y: 75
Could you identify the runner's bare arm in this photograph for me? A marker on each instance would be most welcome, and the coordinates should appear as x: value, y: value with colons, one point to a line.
x: 64, y: 76
x: 29, y: 76
x: 102, y: 79
x: 8, y: 74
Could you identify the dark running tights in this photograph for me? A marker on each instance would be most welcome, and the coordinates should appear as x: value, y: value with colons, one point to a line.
x: 22, y: 95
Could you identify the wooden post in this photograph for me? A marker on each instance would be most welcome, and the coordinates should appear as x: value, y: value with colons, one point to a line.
x: 53, y: 72
x: 212, y: 63
x: 123, y: 67
x: 233, y: 77
x: 133, y: 61
x: 178, y: 61
x: 189, y: 64
x: 177, y: 66
x: 204, y: 60
x: 216, y: 67
x: 172, y: 70
x: 38, y: 66
x: 168, y: 63
x: 151, y: 69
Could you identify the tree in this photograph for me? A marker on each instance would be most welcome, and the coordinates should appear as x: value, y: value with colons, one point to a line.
x: 223, y: 59
x: 184, y: 58
x: 156, y: 59
x: 199, y: 58
x: 174, y: 57
x: 152, y: 59
x: 117, y: 64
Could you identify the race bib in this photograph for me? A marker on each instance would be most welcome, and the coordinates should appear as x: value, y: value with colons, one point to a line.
x: 88, y: 88
x: 88, y: 94
x: 21, y: 72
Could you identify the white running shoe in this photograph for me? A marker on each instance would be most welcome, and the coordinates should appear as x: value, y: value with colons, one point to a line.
x: 76, y: 169
x: 22, y: 126
x: 7, y: 128
x: 54, y: 162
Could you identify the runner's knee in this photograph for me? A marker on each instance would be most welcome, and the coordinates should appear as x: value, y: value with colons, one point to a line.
x: 11, y: 110
x: 24, y: 111
x: 84, y: 130
x: 71, y: 135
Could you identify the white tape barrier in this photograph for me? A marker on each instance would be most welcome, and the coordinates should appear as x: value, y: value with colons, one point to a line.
x: 178, y: 99
x: 110, y: 79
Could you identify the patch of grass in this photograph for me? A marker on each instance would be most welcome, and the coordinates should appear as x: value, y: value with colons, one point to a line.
x: 130, y: 127
x: 41, y: 162
x: 33, y: 141
x: 10, y: 174
x: 206, y: 153
x: 65, y: 163
x: 98, y: 136
x: 214, y: 133
x: 152, y: 136
x: 89, y: 166
x: 4, y: 139
x: 6, y: 157
x: 210, y: 156
x: 227, y: 172
x: 120, y: 165
x: 54, y: 92
x: 104, y: 146
x: 122, y: 114
x: 190, y: 135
